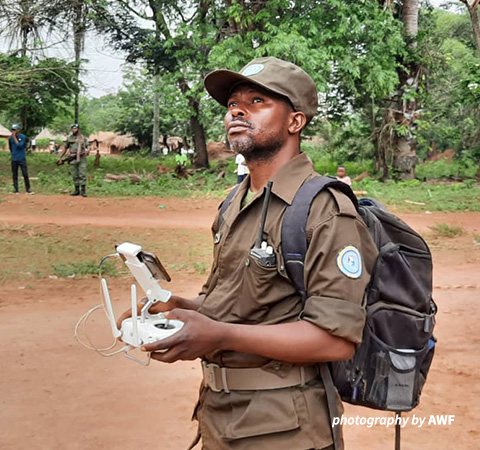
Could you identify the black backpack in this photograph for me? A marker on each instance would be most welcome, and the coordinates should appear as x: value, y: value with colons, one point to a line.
x: 389, y: 368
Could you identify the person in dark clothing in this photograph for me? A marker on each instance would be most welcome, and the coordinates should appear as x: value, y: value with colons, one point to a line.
x: 17, y: 143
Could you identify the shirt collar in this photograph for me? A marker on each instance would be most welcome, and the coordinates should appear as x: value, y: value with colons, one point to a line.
x: 286, y: 183
x: 291, y: 176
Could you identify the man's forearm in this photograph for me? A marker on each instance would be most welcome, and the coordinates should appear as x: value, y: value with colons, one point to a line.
x: 185, y: 303
x: 297, y: 342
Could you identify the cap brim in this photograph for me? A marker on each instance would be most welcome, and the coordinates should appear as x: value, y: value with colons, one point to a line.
x: 220, y: 83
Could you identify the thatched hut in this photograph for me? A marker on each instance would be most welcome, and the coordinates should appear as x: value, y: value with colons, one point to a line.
x: 50, y: 135
x: 4, y: 132
x: 109, y: 143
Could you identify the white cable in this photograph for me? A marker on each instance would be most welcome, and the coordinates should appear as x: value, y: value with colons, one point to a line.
x: 82, y: 322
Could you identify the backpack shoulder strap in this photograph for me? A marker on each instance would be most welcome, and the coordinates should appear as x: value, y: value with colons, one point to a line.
x: 225, y: 204
x: 294, y: 226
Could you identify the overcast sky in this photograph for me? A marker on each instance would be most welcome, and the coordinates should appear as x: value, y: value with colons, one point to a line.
x: 103, y: 73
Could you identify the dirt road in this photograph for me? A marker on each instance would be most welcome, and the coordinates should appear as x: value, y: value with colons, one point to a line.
x: 55, y: 394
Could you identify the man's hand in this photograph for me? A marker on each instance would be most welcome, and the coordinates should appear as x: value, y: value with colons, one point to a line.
x: 159, y: 307
x: 200, y: 335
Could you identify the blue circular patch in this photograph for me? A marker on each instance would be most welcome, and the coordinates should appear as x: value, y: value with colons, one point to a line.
x: 253, y: 70
x: 349, y: 262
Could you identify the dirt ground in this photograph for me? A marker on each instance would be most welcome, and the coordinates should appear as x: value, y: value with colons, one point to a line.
x: 56, y: 394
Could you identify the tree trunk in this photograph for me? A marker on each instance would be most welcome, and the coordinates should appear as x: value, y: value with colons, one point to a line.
x: 405, y: 158
x: 473, y: 11
x: 78, y: 41
x: 410, y: 20
x: 156, y: 117
x: 201, y: 155
x: 199, y: 140
x: 404, y: 144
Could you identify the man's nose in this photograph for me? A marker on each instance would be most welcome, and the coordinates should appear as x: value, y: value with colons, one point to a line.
x: 237, y: 110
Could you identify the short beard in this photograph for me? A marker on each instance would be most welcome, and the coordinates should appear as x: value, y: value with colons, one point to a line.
x: 253, y: 151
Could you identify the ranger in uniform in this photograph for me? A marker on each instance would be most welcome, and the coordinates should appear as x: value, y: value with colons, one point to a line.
x: 77, y: 146
x: 258, y: 341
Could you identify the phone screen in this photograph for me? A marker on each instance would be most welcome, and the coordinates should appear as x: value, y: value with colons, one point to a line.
x: 154, y: 265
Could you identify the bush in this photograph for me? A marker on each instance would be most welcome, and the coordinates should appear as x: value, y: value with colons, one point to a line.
x: 443, y: 169
x: 3, y: 143
x: 326, y: 164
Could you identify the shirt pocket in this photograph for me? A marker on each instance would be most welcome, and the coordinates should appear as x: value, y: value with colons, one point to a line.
x: 263, y: 413
x: 259, y: 290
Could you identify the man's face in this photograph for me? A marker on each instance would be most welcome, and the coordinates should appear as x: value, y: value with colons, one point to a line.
x: 15, y: 132
x: 341, y: 172
x: 256, y: 122
x: 75, y: 130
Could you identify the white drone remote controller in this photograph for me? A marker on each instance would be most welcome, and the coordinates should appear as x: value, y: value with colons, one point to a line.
x: 148, y: 271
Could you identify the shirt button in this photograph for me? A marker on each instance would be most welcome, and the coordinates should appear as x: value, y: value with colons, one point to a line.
x: 247, y: 262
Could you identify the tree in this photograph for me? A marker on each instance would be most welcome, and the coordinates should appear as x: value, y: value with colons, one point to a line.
x: 71, y: 17
x: 395, y: 140
x: 472, y: 7
x: 170, y: 46
x: 22, y: 22
x: 134, y: 107
x: 451, y: 96
x: 31, y: 93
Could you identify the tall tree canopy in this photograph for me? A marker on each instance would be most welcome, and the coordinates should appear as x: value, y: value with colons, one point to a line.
x: 348, y: 46
x: 32, y: 92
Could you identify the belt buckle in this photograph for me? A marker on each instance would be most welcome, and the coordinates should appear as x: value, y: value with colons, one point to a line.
x: 209, y: 378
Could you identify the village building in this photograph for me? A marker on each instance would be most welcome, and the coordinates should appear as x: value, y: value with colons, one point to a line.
x: 109, y: 143
x: 4, y: 132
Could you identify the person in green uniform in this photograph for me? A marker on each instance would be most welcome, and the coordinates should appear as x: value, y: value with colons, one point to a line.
x: 259, y: 342
x: 78, y: 150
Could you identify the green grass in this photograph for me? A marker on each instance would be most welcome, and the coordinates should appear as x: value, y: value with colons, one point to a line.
x: 443, y: 230
x: 83, y: 268
x: 48, y: 178
x: 432, y: 195
x: 32, y: 252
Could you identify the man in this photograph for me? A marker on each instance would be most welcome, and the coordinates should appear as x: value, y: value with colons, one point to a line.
x: 342, y: 175
x: 77, y: 146
x: 17, y: 143
x: 259, y: 342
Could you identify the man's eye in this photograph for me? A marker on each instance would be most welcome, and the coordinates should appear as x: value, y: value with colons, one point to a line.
x: 258, y: 100
x: 232, y: 104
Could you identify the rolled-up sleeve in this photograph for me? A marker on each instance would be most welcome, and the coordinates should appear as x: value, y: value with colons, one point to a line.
x: 335, y: 294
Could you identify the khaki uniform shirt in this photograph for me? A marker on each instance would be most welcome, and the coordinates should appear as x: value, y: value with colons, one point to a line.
x: 239, y: 290
x: 73, y: 142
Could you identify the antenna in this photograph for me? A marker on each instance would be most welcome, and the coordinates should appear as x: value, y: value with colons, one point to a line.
x: 134, y: 315
x: 266, y: 200
x: 108, y: 303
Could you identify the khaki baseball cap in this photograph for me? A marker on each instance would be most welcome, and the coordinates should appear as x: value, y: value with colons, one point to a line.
x: 273, y: 74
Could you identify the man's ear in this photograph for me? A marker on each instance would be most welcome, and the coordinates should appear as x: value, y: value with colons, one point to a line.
x: 297, y: 122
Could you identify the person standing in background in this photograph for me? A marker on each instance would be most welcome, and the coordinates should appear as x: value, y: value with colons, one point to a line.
x: 342, y: 175
x: 17, y: 144
x: 242, y: 169
x: 77, y: 146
